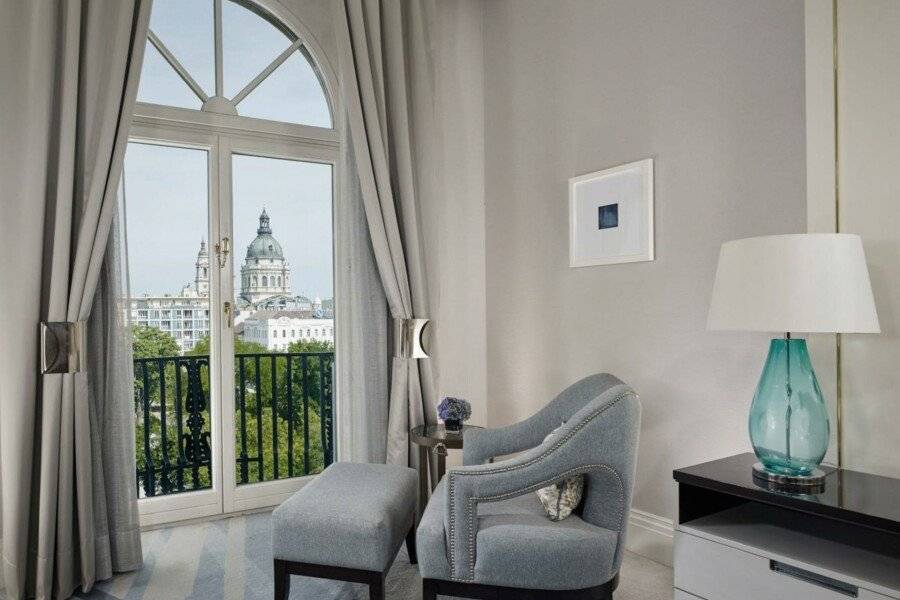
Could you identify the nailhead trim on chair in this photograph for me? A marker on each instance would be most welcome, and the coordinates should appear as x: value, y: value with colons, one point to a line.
x: 471, y: 504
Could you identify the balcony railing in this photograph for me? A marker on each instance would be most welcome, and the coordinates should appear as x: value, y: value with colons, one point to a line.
x: 284, y: 419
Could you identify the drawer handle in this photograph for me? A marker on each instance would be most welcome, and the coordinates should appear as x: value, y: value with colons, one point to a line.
x: 814, y: 578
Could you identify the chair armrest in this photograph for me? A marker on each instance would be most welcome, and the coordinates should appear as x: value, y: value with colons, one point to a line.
x: 482, y: 445
x: 574, y: 448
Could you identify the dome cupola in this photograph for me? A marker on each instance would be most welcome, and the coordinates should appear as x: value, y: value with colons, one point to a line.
x: 264, y: 226
x: 264, y: 245
x: 265, y: 272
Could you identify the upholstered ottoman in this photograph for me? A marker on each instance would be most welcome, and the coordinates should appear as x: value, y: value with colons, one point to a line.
x: 347, y: 524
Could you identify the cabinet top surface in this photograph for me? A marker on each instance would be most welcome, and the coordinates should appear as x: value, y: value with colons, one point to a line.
x: 861, y: 498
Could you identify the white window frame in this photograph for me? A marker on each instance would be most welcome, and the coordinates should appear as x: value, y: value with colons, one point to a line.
x: 223, y: 134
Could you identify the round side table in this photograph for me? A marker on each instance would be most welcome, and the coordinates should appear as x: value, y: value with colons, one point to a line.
x: 439, y: 441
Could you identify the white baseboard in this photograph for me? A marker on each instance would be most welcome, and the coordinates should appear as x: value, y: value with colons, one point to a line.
x: 650, y: 536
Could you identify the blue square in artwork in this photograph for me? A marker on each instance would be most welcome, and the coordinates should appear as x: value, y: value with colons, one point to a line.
x: 608, y: 216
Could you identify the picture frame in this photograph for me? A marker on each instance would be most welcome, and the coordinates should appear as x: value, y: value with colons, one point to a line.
x: 611, y: 216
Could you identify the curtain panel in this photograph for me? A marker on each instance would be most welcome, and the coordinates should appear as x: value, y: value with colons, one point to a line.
x: 70, y: 73
x: 387, y: 88
x: 362, y: 332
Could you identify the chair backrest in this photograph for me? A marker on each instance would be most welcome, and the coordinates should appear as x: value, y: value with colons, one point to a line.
x: 573, y: 399
x: 602, y: 424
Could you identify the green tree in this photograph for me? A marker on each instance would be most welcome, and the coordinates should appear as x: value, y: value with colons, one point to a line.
x: 241, y: 346
x: 165, y: 375
x: 311, y: 346
x: 281, y: 412
x: 149, y: 342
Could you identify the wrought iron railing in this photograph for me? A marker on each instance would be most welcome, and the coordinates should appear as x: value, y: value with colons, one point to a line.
x: 284, y: 419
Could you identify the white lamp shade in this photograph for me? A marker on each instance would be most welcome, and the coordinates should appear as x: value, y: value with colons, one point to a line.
x: 804, y: 283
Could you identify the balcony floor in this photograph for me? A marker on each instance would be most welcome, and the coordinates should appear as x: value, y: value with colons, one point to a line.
x: 230, y: 559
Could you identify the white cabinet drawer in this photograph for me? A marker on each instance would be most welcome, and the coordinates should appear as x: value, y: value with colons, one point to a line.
x: 715, y: 571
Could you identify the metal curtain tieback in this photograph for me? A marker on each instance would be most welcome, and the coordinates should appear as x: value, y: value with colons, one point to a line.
x: 411, y: 338
x: 63, y: 346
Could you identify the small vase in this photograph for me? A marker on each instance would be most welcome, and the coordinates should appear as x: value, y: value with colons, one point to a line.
x: 454, y: 425
x: 788, y: 419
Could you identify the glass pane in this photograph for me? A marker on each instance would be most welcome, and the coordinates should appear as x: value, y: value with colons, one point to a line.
x: 166, y: 219
x: 284, y: 331
x: 292, y: 93
x: 160, y: 84
x: 249, y: 44
x: 186, y: 28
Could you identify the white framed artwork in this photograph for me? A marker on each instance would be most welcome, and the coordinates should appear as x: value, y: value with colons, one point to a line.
x: 611, y: 215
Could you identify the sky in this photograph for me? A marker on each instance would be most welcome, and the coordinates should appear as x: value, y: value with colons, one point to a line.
x: 166, y: 187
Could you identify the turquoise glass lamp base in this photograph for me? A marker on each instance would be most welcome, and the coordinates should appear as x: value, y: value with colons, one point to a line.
x: 789, y: 426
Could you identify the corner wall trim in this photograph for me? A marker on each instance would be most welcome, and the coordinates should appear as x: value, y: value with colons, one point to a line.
x: 650, y: 536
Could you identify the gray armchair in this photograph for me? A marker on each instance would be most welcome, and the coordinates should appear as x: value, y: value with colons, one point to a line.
x: 485, y: 533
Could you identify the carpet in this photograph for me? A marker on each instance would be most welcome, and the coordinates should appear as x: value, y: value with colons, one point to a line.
x: 231, y: 559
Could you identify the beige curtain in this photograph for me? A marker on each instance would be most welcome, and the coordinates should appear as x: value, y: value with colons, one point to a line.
x: 362, y: 343
x: 68, y: 85
x: 387, y: 84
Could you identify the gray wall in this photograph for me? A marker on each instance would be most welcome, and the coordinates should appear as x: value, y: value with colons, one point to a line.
x: 457, y: 262
x: 870, y: 206
x: 713, y: 91
x: 869, y: 182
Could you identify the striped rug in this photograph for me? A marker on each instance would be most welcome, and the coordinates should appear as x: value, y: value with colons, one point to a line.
x: 231, y: 559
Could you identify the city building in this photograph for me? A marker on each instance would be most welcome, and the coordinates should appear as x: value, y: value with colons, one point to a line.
x: 266, y: 287
x: 266, y: 311
x: 277, y: 329
x: 265, y: 272
x: 184, y: 316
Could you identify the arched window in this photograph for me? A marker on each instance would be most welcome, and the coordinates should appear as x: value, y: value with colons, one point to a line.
x: 279, y: 281
x: 231, y: 57
x: 265, y: 281
x: 255, y: 280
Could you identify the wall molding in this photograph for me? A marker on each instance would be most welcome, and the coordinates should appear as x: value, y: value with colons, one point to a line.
x: 650, y: 536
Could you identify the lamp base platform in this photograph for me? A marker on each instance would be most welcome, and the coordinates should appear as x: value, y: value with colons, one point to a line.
x: 813, y: 483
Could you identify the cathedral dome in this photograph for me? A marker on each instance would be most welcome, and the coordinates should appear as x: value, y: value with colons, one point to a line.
x: 264, y: 245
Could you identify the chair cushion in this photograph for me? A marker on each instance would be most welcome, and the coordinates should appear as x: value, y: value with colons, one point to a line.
x: 517, y: 546
x: 351, y: 515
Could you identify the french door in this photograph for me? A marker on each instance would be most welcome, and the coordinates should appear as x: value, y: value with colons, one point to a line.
x: 242, y: 413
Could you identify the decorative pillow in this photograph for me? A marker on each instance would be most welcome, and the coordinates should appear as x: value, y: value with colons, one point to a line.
x: 561, y: 498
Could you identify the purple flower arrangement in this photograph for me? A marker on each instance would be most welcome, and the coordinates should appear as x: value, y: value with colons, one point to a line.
x: 453, y: 411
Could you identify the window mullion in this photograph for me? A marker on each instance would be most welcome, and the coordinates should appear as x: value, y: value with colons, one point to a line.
x: 217, y: 28
x: 176, y: 64
x: 266, y: 72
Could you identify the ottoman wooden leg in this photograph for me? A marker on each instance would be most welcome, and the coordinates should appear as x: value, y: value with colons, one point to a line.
x: 411, y: 545
x: 282, y: 581
x: 376, y: 587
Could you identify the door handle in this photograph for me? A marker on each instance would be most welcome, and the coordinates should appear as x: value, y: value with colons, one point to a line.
x: 222, y: 249
x: 226, y: 310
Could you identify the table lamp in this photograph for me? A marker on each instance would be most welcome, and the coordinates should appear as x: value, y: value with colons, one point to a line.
x: 803, y: 283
